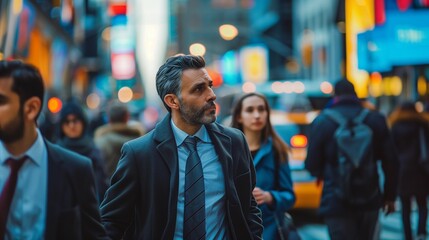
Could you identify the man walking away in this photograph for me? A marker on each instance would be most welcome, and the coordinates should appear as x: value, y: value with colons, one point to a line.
x: 110, y: 137
x: 345, y: 142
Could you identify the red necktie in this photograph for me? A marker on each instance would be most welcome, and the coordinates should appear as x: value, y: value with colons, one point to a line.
x: 6, y: 195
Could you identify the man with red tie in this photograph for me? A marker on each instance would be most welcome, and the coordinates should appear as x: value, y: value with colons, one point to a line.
x: 46, y: 192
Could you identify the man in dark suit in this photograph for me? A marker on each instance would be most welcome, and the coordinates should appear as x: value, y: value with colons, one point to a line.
x: 148, y: 199
x: 46, y: 192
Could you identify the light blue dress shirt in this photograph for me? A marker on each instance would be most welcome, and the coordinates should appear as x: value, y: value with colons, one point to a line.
x: 27, y: 215
x: 213, y: 181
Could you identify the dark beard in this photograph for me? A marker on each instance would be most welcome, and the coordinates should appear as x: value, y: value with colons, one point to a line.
x: 14, y: 131
x: 195, y: 116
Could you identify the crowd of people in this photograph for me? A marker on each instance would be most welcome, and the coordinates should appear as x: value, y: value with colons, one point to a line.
x: 192, y: 177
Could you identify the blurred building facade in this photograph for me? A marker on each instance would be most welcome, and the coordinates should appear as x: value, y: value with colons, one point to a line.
x: 266, y: 23
x: 318, y: 40
x: 61, y: 38
x: 102, y: 49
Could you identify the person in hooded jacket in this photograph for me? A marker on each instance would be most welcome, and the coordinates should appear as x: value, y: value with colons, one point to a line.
x: 73, y: 136
x: 273, y: 192
x: 406, y: 124
x: 110, y: 137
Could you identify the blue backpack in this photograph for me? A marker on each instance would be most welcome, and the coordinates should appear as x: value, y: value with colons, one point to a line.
x: 356, y: 175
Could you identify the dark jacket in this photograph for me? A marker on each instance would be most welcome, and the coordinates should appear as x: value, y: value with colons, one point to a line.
x: 142, y: 200
x: 109, y: 139
x: 86, y: 147
x: 72, y: 207
x: 405, y: 132
x: 282, y: 192
x: 322, y: 157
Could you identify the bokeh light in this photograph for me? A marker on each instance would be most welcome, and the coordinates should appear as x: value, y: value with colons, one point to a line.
x: 228, y: 31
x: 197, y: 49
x: 93, y: 101
x: 55, y: 104
x: 125, y: 94
x: 249, y: 87
x: 326, y: 87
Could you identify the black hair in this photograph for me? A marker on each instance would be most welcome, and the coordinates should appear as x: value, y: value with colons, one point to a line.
x: 26, y: 78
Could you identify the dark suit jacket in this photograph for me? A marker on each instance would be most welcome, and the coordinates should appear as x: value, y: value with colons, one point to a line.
x: 142, y: 200
x: 72, y: 208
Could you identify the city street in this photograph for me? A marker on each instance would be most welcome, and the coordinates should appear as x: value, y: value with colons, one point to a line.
x: 142, y: 119
x: 311, y: 227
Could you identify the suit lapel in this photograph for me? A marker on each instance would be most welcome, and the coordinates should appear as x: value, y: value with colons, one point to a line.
x: 54, y: 191
x: 166, y: 144
x: 223, y: 147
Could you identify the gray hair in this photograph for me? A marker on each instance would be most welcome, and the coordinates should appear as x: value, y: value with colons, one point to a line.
x: 169, y: 76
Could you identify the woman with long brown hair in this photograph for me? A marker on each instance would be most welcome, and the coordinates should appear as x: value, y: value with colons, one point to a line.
x: 273, y: 192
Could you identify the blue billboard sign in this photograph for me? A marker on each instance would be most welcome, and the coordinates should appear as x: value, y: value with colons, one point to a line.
x: 402, y: 40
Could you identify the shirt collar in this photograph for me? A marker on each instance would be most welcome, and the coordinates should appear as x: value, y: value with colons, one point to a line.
x: 180, y: 135
x: 35, y: 152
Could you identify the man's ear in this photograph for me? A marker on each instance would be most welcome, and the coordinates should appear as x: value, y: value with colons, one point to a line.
x: 172, y: 101
x: 32, y: 108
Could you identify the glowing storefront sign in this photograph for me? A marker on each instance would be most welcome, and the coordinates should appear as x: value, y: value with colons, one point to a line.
x: 402, y: 40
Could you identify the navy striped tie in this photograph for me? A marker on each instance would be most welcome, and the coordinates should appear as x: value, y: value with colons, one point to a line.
x: 195, y: 214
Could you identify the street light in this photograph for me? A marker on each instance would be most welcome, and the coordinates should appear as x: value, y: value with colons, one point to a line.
x: 228, y: 31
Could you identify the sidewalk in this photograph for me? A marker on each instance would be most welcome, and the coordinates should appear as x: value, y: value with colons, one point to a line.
x: 391, y: 228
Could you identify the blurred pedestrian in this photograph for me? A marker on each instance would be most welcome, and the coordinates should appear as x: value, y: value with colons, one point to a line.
x: 73, y: 136
x: 110, y: 137
x: 273, y: 193
x: 406, y: 124
x: 46, y: 124
x: 98, y: 119
x: 345, y: 217
x: 189, y: 178
x: 46, y: 192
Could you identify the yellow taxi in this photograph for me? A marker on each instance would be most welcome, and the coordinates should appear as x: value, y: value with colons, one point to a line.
x: 293, y: 128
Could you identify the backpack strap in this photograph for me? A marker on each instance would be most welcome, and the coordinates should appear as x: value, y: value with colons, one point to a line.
x: 362, y: 115
x: 335, y: 116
